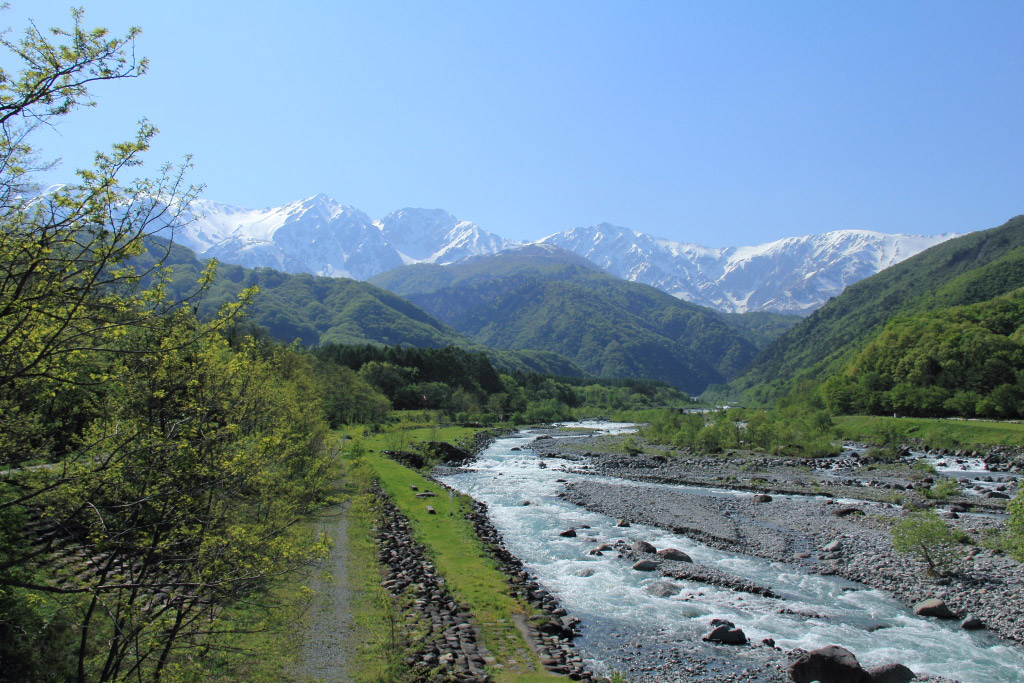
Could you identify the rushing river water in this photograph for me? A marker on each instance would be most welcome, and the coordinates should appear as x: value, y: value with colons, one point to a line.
x: 625, y: 628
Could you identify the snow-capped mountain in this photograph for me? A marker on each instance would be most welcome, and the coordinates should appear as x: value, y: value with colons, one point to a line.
x: 436, y: 236
x: 791, y: 275
x: 318, y: 235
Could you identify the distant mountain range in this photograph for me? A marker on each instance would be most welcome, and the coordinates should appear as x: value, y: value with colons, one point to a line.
x: 967, y: 271
x: 322, y: 237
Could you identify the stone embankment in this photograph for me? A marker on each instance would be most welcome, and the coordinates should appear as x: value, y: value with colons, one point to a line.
x: 551, y: 631
x: 450, y: 650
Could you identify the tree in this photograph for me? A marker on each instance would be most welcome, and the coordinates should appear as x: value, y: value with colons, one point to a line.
x: 164, y: 466
x: 66, y: 290
x: 929, y: 538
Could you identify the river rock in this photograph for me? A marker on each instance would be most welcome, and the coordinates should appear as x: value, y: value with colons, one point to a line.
x: 622, y: 523
x: 662, y: 589
x: 643, y: 547
x: 646, y: 565
x: 832, y: 664
x: 674, y: 554
x: 568, y: 533
x: 891, y: 673
x: 584, y: 572
x: 833, y: 546
x: 846, y: 512
x: 933, y: 607
x: 727, y: 634
x: 762, y: 498
x: 972, y: 623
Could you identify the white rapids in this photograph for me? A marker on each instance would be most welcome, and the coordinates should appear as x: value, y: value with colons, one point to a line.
x: 813, y: 611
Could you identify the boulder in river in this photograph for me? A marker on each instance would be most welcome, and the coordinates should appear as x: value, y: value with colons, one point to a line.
x: 622, y: 523
x: 762, y: 498
x: 846, y: 512
x: 662, y: 589
x: 832, y: 664
x: 891, y: 673
x: 643, y: 547
x: 725, y: 632
x: 646, y: 565
x: 585, y: 572
x: 933, y: 607
x: 832, y: 546
x: 674, y: 554
x: 972, y: 623
x: 568, y: 533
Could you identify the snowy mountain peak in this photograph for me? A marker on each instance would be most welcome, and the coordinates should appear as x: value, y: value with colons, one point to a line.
x: 319, y: 235
x: 789, y: 275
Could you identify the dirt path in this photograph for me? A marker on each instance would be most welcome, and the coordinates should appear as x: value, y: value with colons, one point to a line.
x: 329, y: 643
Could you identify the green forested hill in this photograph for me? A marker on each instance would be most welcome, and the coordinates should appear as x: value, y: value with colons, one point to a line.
x: 607, y: 326
x: 323, y: 310
x: 761, y: 328
x: 538, y: 259
x: 965, y: 361
x: 314, y: 310
x: 962, y: 271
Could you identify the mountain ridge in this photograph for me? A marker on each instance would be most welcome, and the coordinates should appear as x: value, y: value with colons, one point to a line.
x: 320, y: 236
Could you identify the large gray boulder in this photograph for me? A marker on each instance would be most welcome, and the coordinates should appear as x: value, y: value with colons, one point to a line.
x: 891, y: 673
x: 726, y: 633
x: 643, y: 547
x: 646, y: 565
x: 832, y: 664
x: 933, y: 607
x: 674, y: 554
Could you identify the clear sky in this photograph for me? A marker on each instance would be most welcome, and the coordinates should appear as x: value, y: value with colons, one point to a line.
x: 722, y: 123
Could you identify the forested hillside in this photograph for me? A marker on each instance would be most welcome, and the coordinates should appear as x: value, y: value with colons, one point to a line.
x: 606, y: 326
x: 963, y: 271
x: 966, y: 361
x: 312, y: 309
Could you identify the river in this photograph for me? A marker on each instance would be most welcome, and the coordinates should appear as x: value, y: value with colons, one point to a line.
x: 656, y: 638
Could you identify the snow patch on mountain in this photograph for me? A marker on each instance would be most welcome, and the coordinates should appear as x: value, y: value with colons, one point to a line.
x: 320, y: 236
x: 790, y: 275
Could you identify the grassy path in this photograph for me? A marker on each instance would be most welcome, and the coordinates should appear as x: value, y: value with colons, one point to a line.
x: 330, y: 642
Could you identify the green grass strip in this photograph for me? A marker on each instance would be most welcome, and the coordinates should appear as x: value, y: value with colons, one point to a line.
x: 471, y: 575
x: 936, y: 433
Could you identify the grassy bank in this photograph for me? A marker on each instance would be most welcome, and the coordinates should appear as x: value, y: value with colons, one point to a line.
x: 472, y: 576
x: 936, y: 433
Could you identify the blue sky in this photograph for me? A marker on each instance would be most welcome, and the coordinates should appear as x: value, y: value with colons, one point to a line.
x: 722, y: 123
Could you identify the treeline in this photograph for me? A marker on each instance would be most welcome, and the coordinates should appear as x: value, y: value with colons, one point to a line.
x: 154, y: 467
x: 798, y: 426
x: 966, y: 361
x: 466, y: 387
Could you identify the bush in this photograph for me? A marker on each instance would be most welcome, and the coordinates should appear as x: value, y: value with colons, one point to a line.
x: 929, y: 538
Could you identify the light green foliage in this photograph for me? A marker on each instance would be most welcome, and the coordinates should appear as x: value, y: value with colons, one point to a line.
x: 943, y: 490
x: 1015, y: 526
x: 929, y: 538
x: 174, y: 464
x: 799, y: 430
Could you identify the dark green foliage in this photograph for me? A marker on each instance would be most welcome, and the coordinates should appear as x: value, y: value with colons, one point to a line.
x: 607, y: 327
x: 966, y: 361
x: 965, y: 270
x: 313, y: 310
x: 761, y: 328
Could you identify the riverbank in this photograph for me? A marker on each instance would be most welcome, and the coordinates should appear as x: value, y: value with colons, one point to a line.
x: 626, y: 624
x: 801, y: 530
